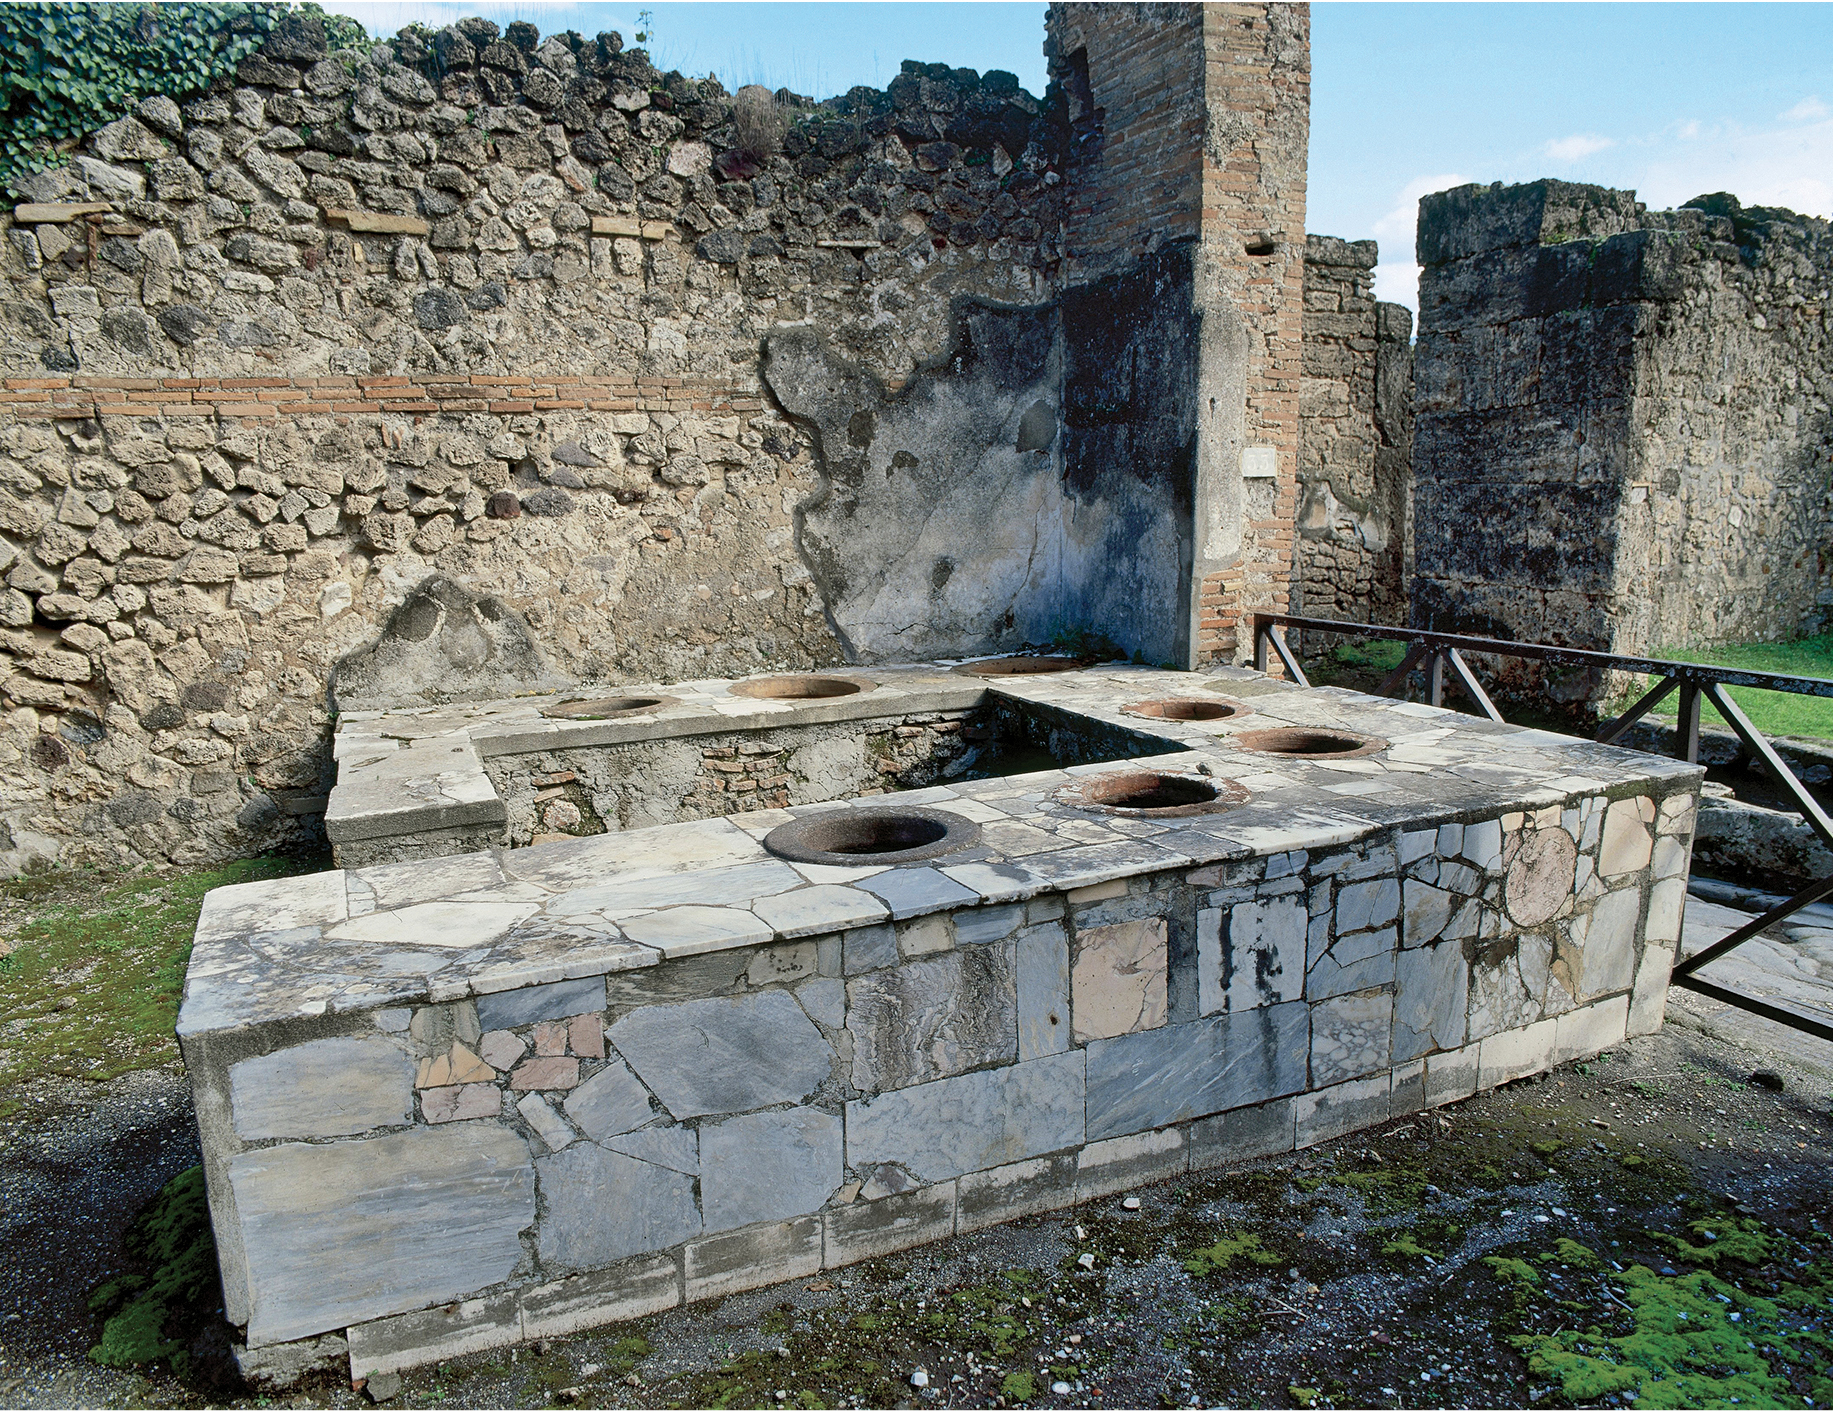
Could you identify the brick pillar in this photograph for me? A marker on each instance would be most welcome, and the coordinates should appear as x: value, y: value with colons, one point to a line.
x: 1189, y: 127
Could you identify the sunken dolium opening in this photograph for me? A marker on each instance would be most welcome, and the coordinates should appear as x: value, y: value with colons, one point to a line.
x: 1153, y: 793
x: 1309, y: 743
x: 1018, y: 666
x: 871, y: 835
x: 1189, y: 708
x: 598, y: 708
x: 799, y: 688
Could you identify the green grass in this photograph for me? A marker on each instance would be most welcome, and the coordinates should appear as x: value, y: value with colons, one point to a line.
x: 1775, y: 713
x: 1772, y: 712
x: 91, y: 984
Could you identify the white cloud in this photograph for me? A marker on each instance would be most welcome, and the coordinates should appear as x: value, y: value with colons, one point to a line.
x: 1807, y: 110
x: 1398, y: 284
x: 1773, y: 166
x: 1396, y: 276
x: 1577, y: 147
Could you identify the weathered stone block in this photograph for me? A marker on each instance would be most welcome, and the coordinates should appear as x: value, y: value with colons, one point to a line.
x: 461, y: 1102
x: 630, y: 1289
x: 340, y: 1233
x: 1043, y: 991
x: 868, y: 1229
x: 1648, y: 1001
x: 1408, y: 1089
x: 1350, y: 1036
x: 1330, y: 1112
x: 1508, y: 982
x: 1590, y: 1029
x: 508, y: 1009
x: 601, y: 1206
x: 725, y: 1055
x: 432, y: 1335
x: 749, y: 1259
x: 1170, y: 1075
x: 1609, y: 944
x: 1666, y: 904
x: 929, y: 1018
x: 1628, y: 836
x: 963, y: 1124
x: 1540, y: 878
x: 1016, y: 1189
x: 323, y: 1088
x: 1367, y: 904
x: 669, y: 1145
x: 868, y: 948
x: 611, y: 1101
x: 982, y: 924
x: 1251, y: 955
x: 1513, y: 1053
x: 1451, y: 1076
x: 1359, y: 961
x: 768, y: 1166
x: 1119, y: 980
x: 1242, y: 1134
x: 1121, y: 1163
x: 1431, y: 996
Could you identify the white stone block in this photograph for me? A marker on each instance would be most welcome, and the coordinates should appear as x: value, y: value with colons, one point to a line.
x: 1121, y: 1163
x: 323, y: 1088
x: 1590, y: 1029
x: 1648, y: 1001
x: 1513, y: 1053
x: 1344, y: 1108
x: 1451, y: 1076
x: 1628, y: 844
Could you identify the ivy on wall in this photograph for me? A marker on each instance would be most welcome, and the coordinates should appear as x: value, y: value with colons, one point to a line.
x: 67, y: 69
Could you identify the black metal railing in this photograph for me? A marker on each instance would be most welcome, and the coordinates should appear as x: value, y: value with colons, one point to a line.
x: 1436, y: 653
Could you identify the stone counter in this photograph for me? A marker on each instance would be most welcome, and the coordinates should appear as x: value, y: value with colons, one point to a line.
x: 471, y: 1100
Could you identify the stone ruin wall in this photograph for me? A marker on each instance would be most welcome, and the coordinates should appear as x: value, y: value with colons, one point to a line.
x: 1623, y: 436
x: 486, y: 310
x: 1355, y: 511
x: 238, y: 427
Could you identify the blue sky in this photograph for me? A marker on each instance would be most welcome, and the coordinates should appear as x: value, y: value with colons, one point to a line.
x: 1673, y: 100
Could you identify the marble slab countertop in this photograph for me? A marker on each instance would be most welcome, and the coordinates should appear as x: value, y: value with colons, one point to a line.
x: 474, y: 924
x: 406, y: 771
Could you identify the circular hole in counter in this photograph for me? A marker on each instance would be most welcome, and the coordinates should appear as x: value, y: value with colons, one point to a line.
x: 1153, y: 794
x: 799, y: 688
x: 600, y: 708
x: 873, y: 835
x: 1308, y: 743
x: 1189, y: 708
x: 1019, y: 666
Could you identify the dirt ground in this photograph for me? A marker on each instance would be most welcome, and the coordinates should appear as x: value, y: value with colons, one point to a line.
x: 1650, y: 1227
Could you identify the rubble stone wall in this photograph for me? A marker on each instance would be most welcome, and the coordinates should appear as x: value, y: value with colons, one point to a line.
x: 1623, y: 436
x: 490, y: 310
x: 1355, y: 516
x: 582, y: 791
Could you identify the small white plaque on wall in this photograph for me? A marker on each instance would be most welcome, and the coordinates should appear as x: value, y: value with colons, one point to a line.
x: 1259, y: 462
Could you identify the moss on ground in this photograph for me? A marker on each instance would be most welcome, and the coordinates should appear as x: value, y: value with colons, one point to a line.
x: 1751, y: 1332
x: 151, y: 1315
x: 90, y: 983
x: 1244, y: 1245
